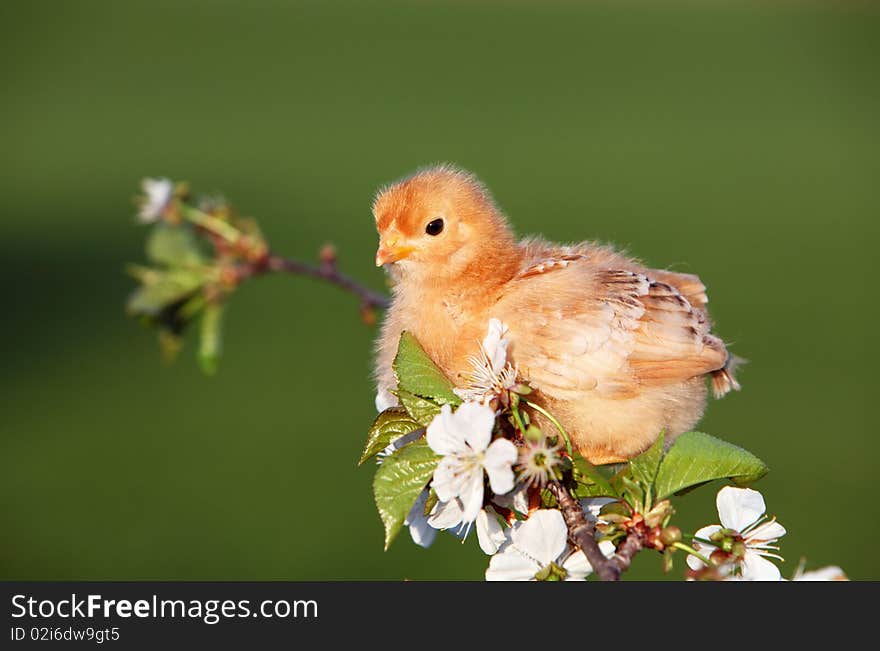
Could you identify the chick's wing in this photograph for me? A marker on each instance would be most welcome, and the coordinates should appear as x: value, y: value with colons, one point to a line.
x: 576, y: 327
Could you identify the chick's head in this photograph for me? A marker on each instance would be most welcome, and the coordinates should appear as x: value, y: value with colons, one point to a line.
x: 438, y: 222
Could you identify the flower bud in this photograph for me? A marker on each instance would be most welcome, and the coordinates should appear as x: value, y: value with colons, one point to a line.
x: 368, y: 315
x: 659, y: 514
x: 534, y: 434
x: 327, y: 254
x: 670, y: 535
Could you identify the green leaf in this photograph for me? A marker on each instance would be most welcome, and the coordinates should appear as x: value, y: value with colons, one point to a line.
x: 586, y: 488
x: 398, y: 483
x: 389, y: 426
x: 175, y: 246
x: 418, y: 374
x: 697, y: 458
x: 420, y: 409
x: 590, y: 481
x: 645, y: 466
x: 163, y: 289
x: 210, y: 341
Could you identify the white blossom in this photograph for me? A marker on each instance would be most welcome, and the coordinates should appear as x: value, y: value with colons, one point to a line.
x: 743, y: 520
x: 490, y: 533
x: 537, y: 459
x: 464, y: 439
x: 538, y: 546
x: 157, y: 196
x: 491, y: 374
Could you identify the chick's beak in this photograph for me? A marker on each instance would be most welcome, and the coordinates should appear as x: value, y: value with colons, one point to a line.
x: 392, y: 249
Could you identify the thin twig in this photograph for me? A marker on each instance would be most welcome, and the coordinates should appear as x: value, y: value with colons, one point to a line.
x: 326, y: 271
x: 630, y: 547
x: 581, y: 534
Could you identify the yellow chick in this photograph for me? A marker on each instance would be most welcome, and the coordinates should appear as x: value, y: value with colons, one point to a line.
x: 616, y: 351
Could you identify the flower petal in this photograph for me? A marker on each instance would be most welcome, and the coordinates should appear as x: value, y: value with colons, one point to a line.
x: 490, y: 533
x: 541, y: 537
x: 577, y: 566
x: 498, y: 461
x: 446, y: 515
x: 471, y: 495
x: 607, y: 548
x: 451, y: 478
x: 515, y: 500
x: 510, y: 565
x: 475, y: 421
x: 707, y: 532
x: 739, y: 507
x: 765, y: 534
x: 420, y: 531
x: 592, y: 506
x: 705, y: 549
x: 442, y: 436
x: 830, y: 573
x: 495, y: 345
x: 157, y: 195
x: 385, y: 400
x: 757, y: 568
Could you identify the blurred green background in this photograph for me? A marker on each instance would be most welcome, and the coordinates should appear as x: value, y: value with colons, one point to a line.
x: 736, y: 141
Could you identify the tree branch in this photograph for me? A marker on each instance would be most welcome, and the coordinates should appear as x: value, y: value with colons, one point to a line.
x: 630, y: 547
x: 326, y: 271
x: 581, y: 534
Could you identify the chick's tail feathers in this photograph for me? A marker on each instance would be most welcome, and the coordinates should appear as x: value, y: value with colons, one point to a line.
x: 724, y: 380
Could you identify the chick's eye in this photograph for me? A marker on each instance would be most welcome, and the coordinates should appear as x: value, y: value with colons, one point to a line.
x: 435, y: 227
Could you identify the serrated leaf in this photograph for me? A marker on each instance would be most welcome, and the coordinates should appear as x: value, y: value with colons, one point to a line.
x: 163, y: 289
x: 420, y: 409
x: 418, y: 374
x: 399, y: 482
x: 697, y: 458
x: 590, y: 481
x: 389, y: 426
x: 645, y: 466
x: 174, y: 246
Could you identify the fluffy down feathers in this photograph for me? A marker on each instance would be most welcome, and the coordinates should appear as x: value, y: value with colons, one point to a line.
x: 616, y: 351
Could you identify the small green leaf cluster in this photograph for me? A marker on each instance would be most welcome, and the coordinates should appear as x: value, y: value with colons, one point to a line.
x: 422, y: 390
x: 193, y: 255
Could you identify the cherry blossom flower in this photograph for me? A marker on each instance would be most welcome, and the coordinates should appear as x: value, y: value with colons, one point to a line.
x: 492, y: 374
x: 538, y: 550
x: 537, y: 461
x: 157, y: 195
x: 464, y: 439
x: 746, y: 536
